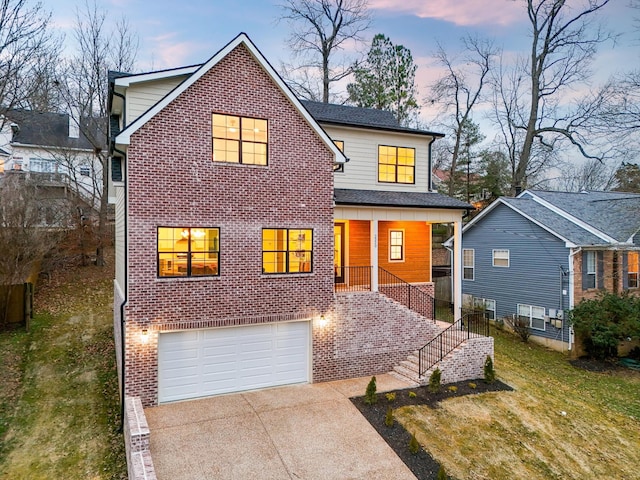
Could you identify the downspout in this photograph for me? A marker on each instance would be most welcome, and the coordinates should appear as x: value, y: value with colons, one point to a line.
x: 573, y: 253
x: 430, y: 173
x: 124, y: 300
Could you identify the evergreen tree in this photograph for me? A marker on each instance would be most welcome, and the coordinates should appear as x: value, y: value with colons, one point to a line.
x: 386, y: 80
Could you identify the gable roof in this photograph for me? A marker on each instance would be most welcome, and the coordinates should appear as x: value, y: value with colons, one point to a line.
x: 124, y: 136
x: 348, y: 115
x: 46, y: 129
x: 579, y: 219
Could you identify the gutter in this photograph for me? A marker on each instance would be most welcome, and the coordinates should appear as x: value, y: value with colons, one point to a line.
x: 124, y: 302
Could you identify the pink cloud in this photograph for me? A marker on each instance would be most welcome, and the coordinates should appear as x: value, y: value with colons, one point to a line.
x: 458, y: 12
x: 168, y: 53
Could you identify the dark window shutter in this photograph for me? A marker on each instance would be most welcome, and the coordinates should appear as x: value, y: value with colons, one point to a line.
x: 600, y: 269
x: 116, y: 169
x: 625, y: 271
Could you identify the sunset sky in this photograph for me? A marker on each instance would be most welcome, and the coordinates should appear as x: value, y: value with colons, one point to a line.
x: 176, y: 33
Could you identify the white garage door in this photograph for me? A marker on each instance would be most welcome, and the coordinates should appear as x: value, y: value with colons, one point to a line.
x: 198, y: 363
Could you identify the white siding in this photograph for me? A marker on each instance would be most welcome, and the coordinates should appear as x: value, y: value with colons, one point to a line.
x: 142, y: 96
x: 361, y: 147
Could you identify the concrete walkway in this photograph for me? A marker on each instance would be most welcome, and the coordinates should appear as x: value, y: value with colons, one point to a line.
x: 296, y: 432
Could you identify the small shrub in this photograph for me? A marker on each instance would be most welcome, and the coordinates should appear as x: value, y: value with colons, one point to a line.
x: 434, y: 381
x: 370, y: 396
x: 489, y: 371
x: 414, y: 446
x: 388, y: 419
x: 391, y: 396
x: 472, y: 385
x: 452, y: 389
x: 412, y: 394
x: 520, y: 326
x: 442, y: 474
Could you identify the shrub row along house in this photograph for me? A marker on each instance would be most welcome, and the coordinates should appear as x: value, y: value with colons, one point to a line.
x: 255, y: 232
x: 534, y: 257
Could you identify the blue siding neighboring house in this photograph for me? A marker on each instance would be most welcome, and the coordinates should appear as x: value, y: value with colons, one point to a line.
x: 537, y: 255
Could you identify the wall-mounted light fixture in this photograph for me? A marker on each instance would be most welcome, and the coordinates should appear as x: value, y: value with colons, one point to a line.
x: 144, y: 336
x: 322, y: 321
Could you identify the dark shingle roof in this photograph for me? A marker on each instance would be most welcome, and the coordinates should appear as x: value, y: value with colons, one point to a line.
x: 377, y: 198
x: 616, y: 214
x: 45, y: 129
x: 358, y: 116
x: 554, y: 222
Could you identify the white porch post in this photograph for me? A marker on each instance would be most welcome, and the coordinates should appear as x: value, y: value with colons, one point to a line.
x: 373, y: 235
x: 456, y: 271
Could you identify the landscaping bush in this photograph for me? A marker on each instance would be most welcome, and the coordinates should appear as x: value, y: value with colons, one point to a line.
x: 414, y: 446
x: 601, y: 323
x: 370, y: 396
x: 388, y: 419
x: 434, y: 381
x: 520, y: 326
x: 442, y: 474
x: 489, y: 371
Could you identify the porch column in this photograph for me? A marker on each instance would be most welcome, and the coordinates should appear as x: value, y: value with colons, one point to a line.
x: 373, y: 235
x: 456, y: 271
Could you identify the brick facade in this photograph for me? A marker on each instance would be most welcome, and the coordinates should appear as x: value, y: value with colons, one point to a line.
x: 612, y: 277
x: 366, y: 334
x: 173, y: 182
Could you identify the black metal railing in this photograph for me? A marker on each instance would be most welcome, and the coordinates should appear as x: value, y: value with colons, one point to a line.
x: 408, y: 295
x: 352, y: 279
x: 476, y: 324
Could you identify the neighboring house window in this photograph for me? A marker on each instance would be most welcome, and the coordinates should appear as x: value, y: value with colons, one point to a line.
x: 340, y: 166
x: 17, y: 163
x: 1, y: 165
x: 633, y: 268
x: 487, y: 305
x: 533, y: 315
x: 501, y: 258
x: 468, y: 263
x: 239, y: 140
x: 85, y: 171
x: 41, y: 165
x: 396, y: 245
x: 589, y: 266
x: 188, y: 252
x: 287, y: 250
x: 396, y: 164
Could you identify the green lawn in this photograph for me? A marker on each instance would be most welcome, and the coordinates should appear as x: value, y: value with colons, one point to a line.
x: 59, y: 418
x: 561, y: 422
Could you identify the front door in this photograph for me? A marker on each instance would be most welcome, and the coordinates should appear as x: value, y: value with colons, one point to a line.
x: 338, y: 254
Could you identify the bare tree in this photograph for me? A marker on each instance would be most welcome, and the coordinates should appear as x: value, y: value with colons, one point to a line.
x: 532, y: 110
x: 24, y: 41
x: 319, y: 29
x: 26, y: 234
x: 592, y: 174
x: 459, y: 91
x: 84, y: 87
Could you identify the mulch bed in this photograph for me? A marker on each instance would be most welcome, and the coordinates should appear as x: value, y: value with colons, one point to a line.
x: 423, y: 465
x: 593, y: 365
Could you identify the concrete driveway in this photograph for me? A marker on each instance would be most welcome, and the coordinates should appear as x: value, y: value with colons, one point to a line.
x: 296, y: 432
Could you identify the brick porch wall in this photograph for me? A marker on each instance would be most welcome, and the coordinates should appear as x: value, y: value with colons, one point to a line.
x: 366, y: 334
x: 172, y: 181
x: 136, y: 441
x: 468, y: 361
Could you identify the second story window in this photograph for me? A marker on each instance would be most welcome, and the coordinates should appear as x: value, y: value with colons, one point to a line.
x: 589, y: 270
x: 396, y: 164
x: 468, y: 264
x: 339, y: 167
x: 239, y: 139
x: 633, y: 268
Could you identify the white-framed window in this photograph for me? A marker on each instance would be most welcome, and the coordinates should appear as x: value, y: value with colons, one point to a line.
x: 487, y: 305
x: 534, y: 315
x: 590, y: 270
x: 500, y: 258
x: 42, y: 165
x: 85, y: 170
x: 468, y: 263
x: 396, y: 245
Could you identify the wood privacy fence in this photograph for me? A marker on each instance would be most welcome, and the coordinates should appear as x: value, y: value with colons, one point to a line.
x: 20, y: 303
